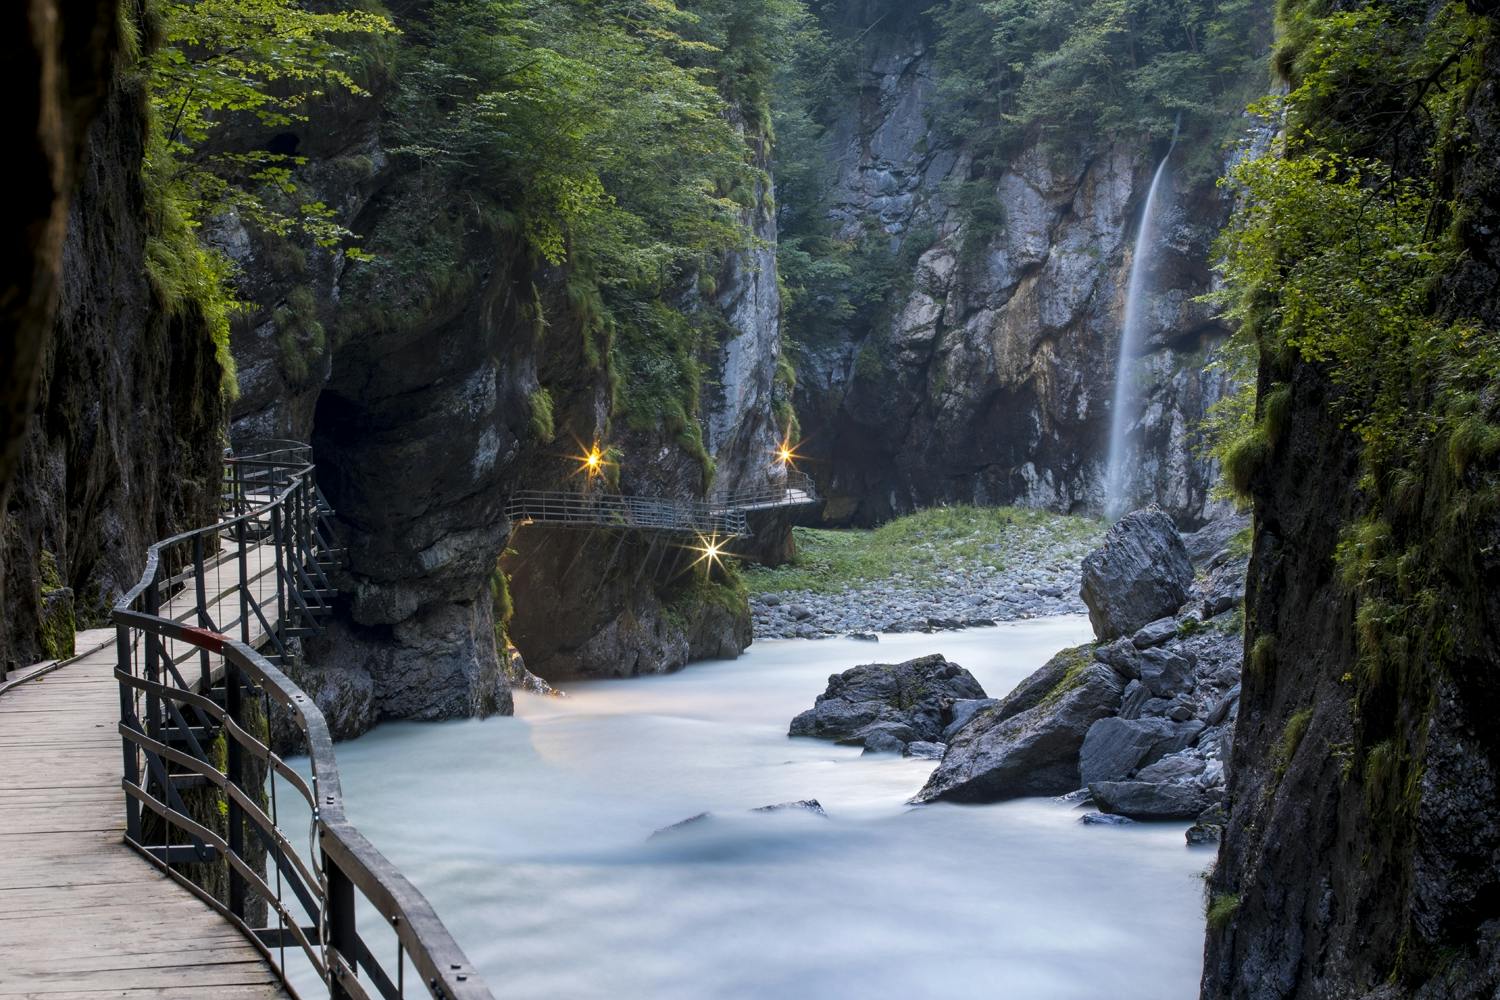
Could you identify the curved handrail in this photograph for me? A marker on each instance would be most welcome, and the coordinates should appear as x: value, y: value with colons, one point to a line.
x: 179, y: 735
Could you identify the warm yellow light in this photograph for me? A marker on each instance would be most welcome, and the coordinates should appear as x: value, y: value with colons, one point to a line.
x: 710, y: 551
x: 786, y: 452
x: 592, y: 462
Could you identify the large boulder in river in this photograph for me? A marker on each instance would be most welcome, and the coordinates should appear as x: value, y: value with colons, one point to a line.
x: 1028, y: 744
x: 1152, y: 800
x: 1140, y: 573
x: 912, y: 701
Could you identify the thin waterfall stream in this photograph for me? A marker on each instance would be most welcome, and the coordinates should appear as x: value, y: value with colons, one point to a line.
x: 1124, y: 409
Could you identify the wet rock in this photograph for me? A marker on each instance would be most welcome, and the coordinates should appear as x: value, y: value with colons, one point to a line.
x: 1210, y: 541
x: 1182, y: 766
x: 864, y: 636
x: 683, y: 824
x: 803, y: 805
x: 1226, y: 706
x: 918, y: 695
x: 1150, y: 800
x: 963, y: 712
x: 1113, y: 749
x: 1209, y: 827
x: 1104, y: 819
x: 1029, y: 743
x: 883, y: 741
x: 881, y: 734
x: 1140, y: 573
x: 800, y: 613
x: 924, y: 749
x: 1120, y: 654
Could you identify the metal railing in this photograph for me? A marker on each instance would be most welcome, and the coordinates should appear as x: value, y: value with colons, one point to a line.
x: 721, y: 514
x: 200, y: 777
x: 796, y: 489
x: 634, y: 513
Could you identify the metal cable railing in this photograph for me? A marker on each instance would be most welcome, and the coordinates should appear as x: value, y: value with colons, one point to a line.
x: 200, y: 776
x: 634, y: 513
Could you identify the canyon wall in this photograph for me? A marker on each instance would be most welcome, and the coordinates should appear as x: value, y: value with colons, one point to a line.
x: 124, y: 438
x: 1362, y: 856
x: 989, y: 377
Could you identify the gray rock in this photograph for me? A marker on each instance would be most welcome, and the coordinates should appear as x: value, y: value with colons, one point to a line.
x: 1174, y: 767
x: 682, y: 824
x: 964, y: 711
x: 1164, y: 672
x: 1114, y: 748
x: 1005, y: 752
x: 1154, y: 633
x: 924, y: 749
x: 1139, y: 574
x: 1136, y: 695
x: 883, y: 741
x: 1104, y: 819
x: 801, y: 613
x: 1120, y: 654
x: 804, y: 805
x: 917, y: 695
x: 1205, y: 545
x: 1180, y: 712
x: 1150, y: 800
x: 881, y: 733
x: 1226, y: 706
x: 864, y: 636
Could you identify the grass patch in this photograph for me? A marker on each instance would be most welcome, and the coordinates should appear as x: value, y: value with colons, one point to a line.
x: 921, y: 547
x: 1291, y: 739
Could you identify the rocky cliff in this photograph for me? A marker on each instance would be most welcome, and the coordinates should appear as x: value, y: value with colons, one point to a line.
x: 427, y: 410
x: 124, y: 439
x: 1362, y: 856
x: 987, y: 375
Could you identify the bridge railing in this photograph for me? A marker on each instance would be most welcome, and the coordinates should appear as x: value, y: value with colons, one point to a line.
x: 613, y: 511
x: 797, y: 489
x: 202, y: 781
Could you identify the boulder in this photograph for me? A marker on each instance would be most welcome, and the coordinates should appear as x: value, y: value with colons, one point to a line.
x: 907, y: 701
x: 1154, y: 633
x: 1209, y: 541
x: 924, y: 750
x: 1151, y: 800
x: 964, y: 711
x: 1104, y: 819
x: 1114, y: 748
x: 801, y: 805
x: 1164, y: 672
x: 1134, y: 700
x: 1140, y: 573
x: 1028, y: 744
x: 883, y: 740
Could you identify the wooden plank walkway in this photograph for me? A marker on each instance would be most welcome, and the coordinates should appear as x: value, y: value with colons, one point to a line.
x: 82, y: 916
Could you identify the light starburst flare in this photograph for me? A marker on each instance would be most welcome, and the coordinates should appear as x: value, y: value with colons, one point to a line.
x: 786, y: 452
x: 711, y: 553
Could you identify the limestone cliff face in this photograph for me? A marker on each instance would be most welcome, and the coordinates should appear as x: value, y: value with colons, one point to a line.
x: 990, y: 379
x: 422, y: 426
x: 124, y: 440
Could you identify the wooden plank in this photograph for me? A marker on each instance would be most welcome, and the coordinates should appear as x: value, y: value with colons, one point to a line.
x: 81, y: 915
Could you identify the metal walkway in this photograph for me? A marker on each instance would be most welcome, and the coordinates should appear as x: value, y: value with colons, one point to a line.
x: 724, y: 514
x: 138, y: 772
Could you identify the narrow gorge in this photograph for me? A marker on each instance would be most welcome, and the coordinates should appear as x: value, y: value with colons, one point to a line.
x: 1046, y: 452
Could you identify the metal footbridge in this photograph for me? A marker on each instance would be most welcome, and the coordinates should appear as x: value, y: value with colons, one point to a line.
x: 143, y: 851
x: 723, y: 514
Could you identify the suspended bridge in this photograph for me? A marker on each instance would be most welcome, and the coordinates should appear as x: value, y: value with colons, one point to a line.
x: 142, y: 850
x: 723, y: 514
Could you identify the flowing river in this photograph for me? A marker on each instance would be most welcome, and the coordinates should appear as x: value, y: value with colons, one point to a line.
x: 532, y: 837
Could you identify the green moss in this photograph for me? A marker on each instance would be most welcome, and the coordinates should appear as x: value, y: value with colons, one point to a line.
x: 56, y: 625
x: 1078, y: 659
x: 1291, y: 738
x: 867, y: 366
x: 299, y: 334
x: 1221, y: 910
x: 1263, y: 658
x: 542, y: 425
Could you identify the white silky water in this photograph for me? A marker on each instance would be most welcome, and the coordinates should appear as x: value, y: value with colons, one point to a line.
x: 532, y: 837
x: 1124, y: 410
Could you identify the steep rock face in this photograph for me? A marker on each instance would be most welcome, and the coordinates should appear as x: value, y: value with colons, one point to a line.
x: 1350, y: 869
x: 422, y: 426
x: 990, y: 380
x: 124, y: 443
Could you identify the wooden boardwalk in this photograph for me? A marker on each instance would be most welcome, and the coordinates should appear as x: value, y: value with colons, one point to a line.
x: 82, y: 915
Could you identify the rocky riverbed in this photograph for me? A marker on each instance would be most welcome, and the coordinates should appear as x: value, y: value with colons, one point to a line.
x: 1023, y: 570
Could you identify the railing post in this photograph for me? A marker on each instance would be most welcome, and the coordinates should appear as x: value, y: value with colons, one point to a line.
x: 342, y: 937
x: 132, y: 768
x: 278, y: 546
x: 200, y: 588
x: 234, y: 770
x: 244, y: 583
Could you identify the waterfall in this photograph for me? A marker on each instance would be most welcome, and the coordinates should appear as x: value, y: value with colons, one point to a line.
x: 1122, y: 412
